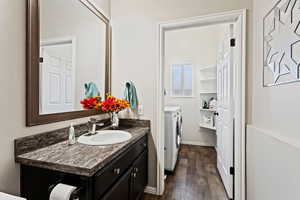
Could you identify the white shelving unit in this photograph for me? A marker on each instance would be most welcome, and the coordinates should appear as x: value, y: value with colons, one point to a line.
x: 208, y: 110
x: 209, y: 92
x: 203, y: 125
x: 213, y: 67
x: 208, y: 89
x: 209, y: 79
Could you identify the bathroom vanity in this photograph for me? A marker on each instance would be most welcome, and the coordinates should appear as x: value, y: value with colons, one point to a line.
x: 61, y: 61
x: 109, y: 172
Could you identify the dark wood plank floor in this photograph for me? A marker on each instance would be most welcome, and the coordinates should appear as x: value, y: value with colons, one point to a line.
x: 195, y: 178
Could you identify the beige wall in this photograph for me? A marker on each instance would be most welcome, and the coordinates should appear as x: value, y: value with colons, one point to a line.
x: 199, y: 47
x: 103, y: 6
x: 12, y: 90
x: 135, y: 45
x: 273, y: 139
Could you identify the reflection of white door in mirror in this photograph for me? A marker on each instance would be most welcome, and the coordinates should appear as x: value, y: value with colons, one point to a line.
x: 57, y: 76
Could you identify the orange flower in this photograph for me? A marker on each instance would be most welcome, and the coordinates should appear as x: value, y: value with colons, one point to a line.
x: 111, y: 104
x: 90, y: 103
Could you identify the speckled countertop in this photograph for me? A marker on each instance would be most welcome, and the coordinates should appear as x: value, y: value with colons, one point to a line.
x: 79, y: 159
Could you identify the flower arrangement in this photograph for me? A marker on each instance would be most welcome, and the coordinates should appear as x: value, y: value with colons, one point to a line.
x: 110, y: 104
x: 113, y: 104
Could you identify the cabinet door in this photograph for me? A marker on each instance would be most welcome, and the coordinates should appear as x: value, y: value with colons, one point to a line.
x: 105, y: 178
x: 139, y: 176
x: 121, y: 190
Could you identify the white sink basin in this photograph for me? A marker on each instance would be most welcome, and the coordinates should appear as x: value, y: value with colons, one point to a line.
x: 105, y: 137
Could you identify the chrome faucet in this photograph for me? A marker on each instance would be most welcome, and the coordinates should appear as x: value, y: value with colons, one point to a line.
x: 92, y: 126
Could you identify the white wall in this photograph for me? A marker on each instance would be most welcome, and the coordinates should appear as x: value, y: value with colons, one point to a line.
x: 199, y: 47
x: 274, y: 108
x: 272, y: 163
x: 135, y: 45
x: 273, y: 166
x: 12, y: 90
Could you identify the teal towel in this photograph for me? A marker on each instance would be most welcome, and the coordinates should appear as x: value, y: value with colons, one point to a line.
x: 91, y: 90
x: 130, y: 94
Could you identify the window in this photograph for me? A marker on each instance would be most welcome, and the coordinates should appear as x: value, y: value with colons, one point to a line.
x: 182, y: 80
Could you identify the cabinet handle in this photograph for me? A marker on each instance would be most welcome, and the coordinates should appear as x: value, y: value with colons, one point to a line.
x: 134, y: 175
x: 136, y: 170
x: 117, y: 171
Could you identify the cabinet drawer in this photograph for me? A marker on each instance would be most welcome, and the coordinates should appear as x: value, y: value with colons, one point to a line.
x: 121, y: 190
x: 105, y: 178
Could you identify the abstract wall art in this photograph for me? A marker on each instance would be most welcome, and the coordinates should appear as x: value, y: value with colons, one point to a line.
x: 282, y: 44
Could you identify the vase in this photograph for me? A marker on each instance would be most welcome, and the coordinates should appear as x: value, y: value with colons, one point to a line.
x: 114, y: 120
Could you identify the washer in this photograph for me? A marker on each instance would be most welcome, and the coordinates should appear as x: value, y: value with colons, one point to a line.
x: 173, y: 134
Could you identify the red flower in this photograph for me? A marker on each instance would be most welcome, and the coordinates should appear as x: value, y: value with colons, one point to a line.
x: 109, y: 105
x: 90, y: 103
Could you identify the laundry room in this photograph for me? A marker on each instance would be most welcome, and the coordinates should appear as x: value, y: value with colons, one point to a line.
x: 190, y: 80
x: 193, y: 58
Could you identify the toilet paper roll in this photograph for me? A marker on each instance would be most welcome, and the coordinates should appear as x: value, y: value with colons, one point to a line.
x: 62, y: 192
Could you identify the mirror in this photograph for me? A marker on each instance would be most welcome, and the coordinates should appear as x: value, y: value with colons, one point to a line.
x: 72, y: 52
x: 68, y: 59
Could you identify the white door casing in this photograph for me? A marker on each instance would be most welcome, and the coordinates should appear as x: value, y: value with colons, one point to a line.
x: 225, y: 112
x: 239, y: 18
x: 57, y: 83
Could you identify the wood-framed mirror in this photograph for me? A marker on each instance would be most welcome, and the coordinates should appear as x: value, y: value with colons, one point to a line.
x: 68, y: 59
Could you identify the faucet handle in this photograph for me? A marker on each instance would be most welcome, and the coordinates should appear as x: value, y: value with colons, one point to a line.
x: 94, y: 122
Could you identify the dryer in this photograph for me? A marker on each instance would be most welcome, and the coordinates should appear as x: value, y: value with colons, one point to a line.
x: 173, y: 135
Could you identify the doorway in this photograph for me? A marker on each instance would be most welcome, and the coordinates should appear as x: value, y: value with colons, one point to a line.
x: 57, y: 72
x: 233, y: 97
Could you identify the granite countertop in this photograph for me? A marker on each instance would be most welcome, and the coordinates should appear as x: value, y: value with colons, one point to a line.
x: 79, y: 159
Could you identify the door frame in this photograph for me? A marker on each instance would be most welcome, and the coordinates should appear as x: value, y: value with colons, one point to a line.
x: 239, y: 94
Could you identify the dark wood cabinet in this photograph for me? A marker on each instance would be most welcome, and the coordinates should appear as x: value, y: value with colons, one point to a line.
x: 121, y: 190
x: 139, y: 176
x: 124, y: 178
x: 132, y: 185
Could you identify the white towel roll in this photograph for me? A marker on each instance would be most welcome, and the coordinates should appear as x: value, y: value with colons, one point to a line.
x: 62, y: 192
x: 4, y: 196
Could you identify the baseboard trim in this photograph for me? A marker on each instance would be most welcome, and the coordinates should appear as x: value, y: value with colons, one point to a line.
x: 196, y: 143
x: 151, y: 190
